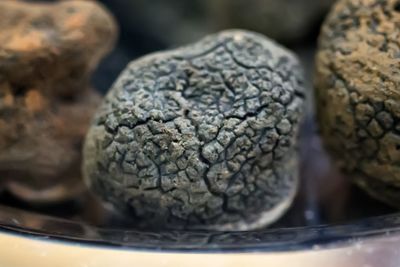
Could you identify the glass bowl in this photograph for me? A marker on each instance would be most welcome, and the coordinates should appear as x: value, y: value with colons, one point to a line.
x: 331, y: 223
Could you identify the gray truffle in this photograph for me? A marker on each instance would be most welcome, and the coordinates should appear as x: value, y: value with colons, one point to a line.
x: 201, y: 137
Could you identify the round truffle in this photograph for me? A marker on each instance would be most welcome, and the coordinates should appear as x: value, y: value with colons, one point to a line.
x: 357, y: 82
x: 201, y: 137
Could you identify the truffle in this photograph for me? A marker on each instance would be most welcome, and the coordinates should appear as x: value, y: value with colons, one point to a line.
x: 47, y: 53
x: 358, y: 98
x: 285, y: 20
x: 201, y: 137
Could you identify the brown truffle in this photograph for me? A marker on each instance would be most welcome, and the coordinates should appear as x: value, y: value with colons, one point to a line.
x: 357, y: 82
x: 47, y: 53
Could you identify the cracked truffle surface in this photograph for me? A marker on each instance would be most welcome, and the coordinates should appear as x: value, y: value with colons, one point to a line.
x: 357, y: 81
x: 203, y: 136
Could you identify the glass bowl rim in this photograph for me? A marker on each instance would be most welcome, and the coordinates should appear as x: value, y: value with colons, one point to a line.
x: 19, y: 222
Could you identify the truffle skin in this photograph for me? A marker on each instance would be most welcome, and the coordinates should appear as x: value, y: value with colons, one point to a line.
x: 357, y: 82
x: 47, y: 53
x: 201, y: 137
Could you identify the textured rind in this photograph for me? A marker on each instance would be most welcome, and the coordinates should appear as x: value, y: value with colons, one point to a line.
x: 357, y: 82
x: 175, y: 22
x: 203, y: 136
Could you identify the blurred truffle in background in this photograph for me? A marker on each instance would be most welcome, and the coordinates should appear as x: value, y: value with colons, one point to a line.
x: 178, y: 21
x: 287, y: 21
x: 151, y: 25
x: 47, y: 55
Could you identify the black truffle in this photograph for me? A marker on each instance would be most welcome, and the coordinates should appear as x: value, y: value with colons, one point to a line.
x: 203, y: 136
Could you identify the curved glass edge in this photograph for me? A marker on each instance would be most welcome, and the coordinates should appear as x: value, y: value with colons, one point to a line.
x: 20, y: 251
x: 285, y: 239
